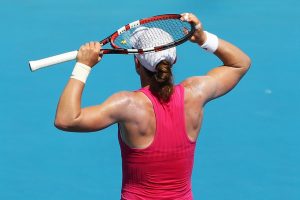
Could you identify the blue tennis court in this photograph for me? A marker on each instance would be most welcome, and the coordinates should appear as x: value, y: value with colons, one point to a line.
x: 248, y: 148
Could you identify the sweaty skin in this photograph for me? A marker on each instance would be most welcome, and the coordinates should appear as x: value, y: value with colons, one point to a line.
x: 133, y: 111
x: 162, y: 171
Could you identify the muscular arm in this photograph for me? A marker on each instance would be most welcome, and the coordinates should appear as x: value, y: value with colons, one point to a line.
x: 219, y: 80
x: 71, y: 117
x: 69, y: 105
x: 235, y: 64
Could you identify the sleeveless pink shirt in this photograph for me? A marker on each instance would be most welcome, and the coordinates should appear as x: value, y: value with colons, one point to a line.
x: 162, y: 170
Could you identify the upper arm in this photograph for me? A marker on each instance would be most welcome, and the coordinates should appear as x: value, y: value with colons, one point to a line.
x: 221, y: 80
x: 98, y: 117
x: 199, y: 89
x: 235, y: 64
x: 214, y: 84
x: 224, y: 79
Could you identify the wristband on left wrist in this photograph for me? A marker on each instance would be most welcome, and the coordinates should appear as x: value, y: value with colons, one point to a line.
x: 212, y: 42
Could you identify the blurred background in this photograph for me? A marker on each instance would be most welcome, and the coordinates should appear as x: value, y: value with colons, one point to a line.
x: 249, y: 143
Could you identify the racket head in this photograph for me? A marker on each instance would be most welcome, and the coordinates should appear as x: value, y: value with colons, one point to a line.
x: 180, y: 31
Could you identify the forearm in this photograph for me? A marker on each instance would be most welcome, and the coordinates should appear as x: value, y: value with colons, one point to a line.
x: 69, y: 106
x: 235, y: 64
x: 219, y: 80
x: 229, y: 54
x: 68, y: 114
x: 232, y: 56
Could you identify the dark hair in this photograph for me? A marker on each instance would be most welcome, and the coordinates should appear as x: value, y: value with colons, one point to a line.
x: 162, y: 81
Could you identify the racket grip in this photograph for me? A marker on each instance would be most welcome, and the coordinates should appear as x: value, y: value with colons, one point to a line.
x: 38, y: 64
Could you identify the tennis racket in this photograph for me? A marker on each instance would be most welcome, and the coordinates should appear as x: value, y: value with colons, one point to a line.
x: 120, y: 40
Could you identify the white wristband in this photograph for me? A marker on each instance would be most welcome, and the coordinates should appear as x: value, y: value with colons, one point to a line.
x: 212, y: 42
x: 81, y: 72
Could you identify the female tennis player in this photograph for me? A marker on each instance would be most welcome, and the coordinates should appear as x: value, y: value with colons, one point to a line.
x: 159, y: 123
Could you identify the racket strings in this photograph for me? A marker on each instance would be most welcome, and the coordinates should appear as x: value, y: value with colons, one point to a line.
x: 153, y: 34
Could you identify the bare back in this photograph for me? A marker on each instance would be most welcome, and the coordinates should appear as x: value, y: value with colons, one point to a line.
x: 134, y: 111
x: 139, y: 130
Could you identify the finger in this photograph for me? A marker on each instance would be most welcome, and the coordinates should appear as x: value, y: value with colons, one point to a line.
x: 92, y: 45
x: 97, y: 46
x: 81, y: 47
x: 100, y: 57
x: 185, y: 31
x: 100, y: 54
x: 101, y: 51
x: 198, y: 26
x: 185, y: 16
x: 195, y: 20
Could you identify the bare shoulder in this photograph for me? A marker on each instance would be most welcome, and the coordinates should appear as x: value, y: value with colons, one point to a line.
x: 200, y: 88
x: 122, y: 98
x: 129, y: 104
x: 130, y: 98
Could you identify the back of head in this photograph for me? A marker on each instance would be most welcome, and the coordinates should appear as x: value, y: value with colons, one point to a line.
x: 157, y: 64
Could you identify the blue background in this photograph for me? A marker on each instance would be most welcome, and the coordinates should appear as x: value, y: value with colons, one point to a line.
x: 249, y: 143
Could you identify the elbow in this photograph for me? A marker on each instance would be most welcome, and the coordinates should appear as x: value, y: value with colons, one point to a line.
x: 246, y: 62
x: 61, y: 124
x: 64, y: 124
x: 243, y: 64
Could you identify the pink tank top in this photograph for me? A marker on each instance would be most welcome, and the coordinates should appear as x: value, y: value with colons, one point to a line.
x: 162, y: 170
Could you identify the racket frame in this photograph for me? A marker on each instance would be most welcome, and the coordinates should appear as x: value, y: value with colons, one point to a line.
x: 117, y: 50
x: 38, y: 64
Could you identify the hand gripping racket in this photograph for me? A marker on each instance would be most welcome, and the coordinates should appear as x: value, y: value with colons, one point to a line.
x: 120, y: 41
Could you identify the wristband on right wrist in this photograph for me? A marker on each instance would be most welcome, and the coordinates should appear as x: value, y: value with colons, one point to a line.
x: 212, y: 42
x: 81, y: 72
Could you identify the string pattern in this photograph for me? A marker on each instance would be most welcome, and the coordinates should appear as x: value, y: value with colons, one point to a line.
x: 152, y: 34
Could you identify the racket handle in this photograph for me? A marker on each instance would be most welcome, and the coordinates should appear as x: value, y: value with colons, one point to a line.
x: 38, y: 64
